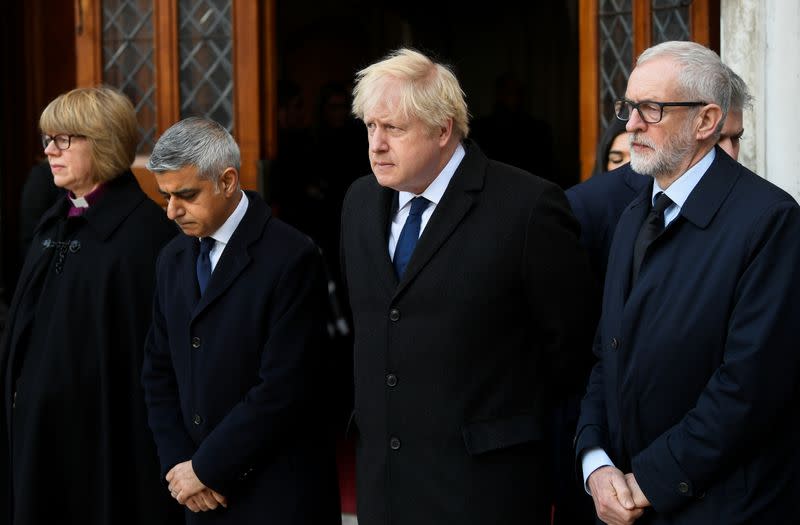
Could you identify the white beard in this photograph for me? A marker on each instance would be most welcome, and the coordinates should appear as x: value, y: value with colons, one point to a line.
x: 664, y: 161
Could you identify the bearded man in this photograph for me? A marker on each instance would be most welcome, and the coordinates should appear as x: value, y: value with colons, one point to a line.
x: 683, y: 422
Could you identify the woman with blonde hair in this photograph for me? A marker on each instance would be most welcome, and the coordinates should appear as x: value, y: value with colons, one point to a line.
x: 74, y: 443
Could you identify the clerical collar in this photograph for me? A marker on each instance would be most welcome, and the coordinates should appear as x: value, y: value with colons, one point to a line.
x: 79, y: 205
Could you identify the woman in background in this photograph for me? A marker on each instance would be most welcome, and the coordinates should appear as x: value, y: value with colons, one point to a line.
x: 614, y: 148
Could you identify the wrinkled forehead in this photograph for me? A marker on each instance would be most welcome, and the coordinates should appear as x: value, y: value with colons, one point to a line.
x: 656, y: 80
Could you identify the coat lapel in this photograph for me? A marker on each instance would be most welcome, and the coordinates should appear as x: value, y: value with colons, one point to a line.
x: 699, y: 209
x: 376, y: 224
x: 186, y: 261
x: 624, y: 238
x: 121, y: 199
x: 456, y: 202
x: 712, y: 190
x: 235, y: 258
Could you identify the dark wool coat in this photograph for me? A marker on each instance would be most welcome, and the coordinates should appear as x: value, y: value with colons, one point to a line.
x: 597, y: 204
x: 236, y: 379
x: 455, y: 363
x: 76, y: 437
x: 696, y: 387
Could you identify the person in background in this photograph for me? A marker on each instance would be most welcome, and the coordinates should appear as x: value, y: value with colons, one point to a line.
x: 732, y: 131
x: 614, y: 148
x: 511, y: 134
x: 287, y: 173
x: 683, y: 419
x: 235, y: 375
x: 74, y: 441
x: 599, y: 201
x: 472, y: 306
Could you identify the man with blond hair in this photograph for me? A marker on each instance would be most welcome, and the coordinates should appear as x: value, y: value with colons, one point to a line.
x: 468, y: 291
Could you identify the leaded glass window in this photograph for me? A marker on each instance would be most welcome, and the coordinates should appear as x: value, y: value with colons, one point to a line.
x: 616, y: 53
x: 670, y: 20
x: 128, y: 59
x: 206, y: 60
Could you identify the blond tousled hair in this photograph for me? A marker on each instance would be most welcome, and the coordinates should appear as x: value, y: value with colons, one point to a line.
x: 430, y: 91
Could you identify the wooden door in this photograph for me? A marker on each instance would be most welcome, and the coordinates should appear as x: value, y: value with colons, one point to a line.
x: 612, y: 34
x: 181, y: 58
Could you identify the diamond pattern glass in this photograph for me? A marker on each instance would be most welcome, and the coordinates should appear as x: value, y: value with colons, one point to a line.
x: 615, y: 23
x: 206, y: 60
x: 670, y: 20
x: 128, y: 59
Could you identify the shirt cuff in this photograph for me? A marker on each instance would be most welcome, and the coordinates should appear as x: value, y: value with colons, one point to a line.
x: 593, y: 459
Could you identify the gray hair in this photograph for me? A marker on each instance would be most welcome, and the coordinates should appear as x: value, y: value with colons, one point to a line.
x: 430, y: 91
x: 198, y: 142
x: 741, y: 98
x: 702, y: 77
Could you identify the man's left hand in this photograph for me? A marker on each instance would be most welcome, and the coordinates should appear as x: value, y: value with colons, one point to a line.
x: 639, y: 499
x: 183, y: 482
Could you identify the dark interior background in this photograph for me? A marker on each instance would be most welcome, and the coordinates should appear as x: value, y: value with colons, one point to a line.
x: 534, y: 47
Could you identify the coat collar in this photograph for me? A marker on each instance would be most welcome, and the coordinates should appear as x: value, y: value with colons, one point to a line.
x: 121, y: 198
x: 633, y: 180
x: 457, y: 200
x: 234, y: 260
x: 377, y: 219
x: 712, y: 190
x: 699, y: 209
x: 707, y: 197
x: 626, y: 232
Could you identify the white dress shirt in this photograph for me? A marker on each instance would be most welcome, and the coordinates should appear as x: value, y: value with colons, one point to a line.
x: 223, y: 235
x: 679, y: 190
x: 433, y: 193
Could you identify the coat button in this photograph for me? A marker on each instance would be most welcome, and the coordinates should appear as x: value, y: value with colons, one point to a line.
x: 195, y: 342
x: 391, y: 380
x: 614, y: 343
x: 394, y: 314
x: 683, y: 487
x: 394, y: 443
x: 196, y: 419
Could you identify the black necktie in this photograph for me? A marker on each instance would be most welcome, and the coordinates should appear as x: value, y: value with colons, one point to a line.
x: 204, y: 263
x: 409, y: 235
x: 651, y: 228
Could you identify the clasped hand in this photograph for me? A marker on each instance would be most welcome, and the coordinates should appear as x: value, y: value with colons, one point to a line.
x: 618, y: 499
x: 186, y: 487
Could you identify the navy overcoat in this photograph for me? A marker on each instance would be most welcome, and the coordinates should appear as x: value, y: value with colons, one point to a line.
x: 696, y: 387
x: 234, y: 380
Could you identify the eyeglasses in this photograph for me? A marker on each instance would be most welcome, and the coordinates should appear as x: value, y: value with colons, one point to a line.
x: 651, y: 112
x: 62, y: 141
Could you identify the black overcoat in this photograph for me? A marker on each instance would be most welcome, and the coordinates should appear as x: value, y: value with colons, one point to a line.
x: 235, y: 380
x: 77, y: 435
x: 454, y: 363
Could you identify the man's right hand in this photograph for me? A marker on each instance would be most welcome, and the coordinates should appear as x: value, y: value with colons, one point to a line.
x: 613, y: 500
